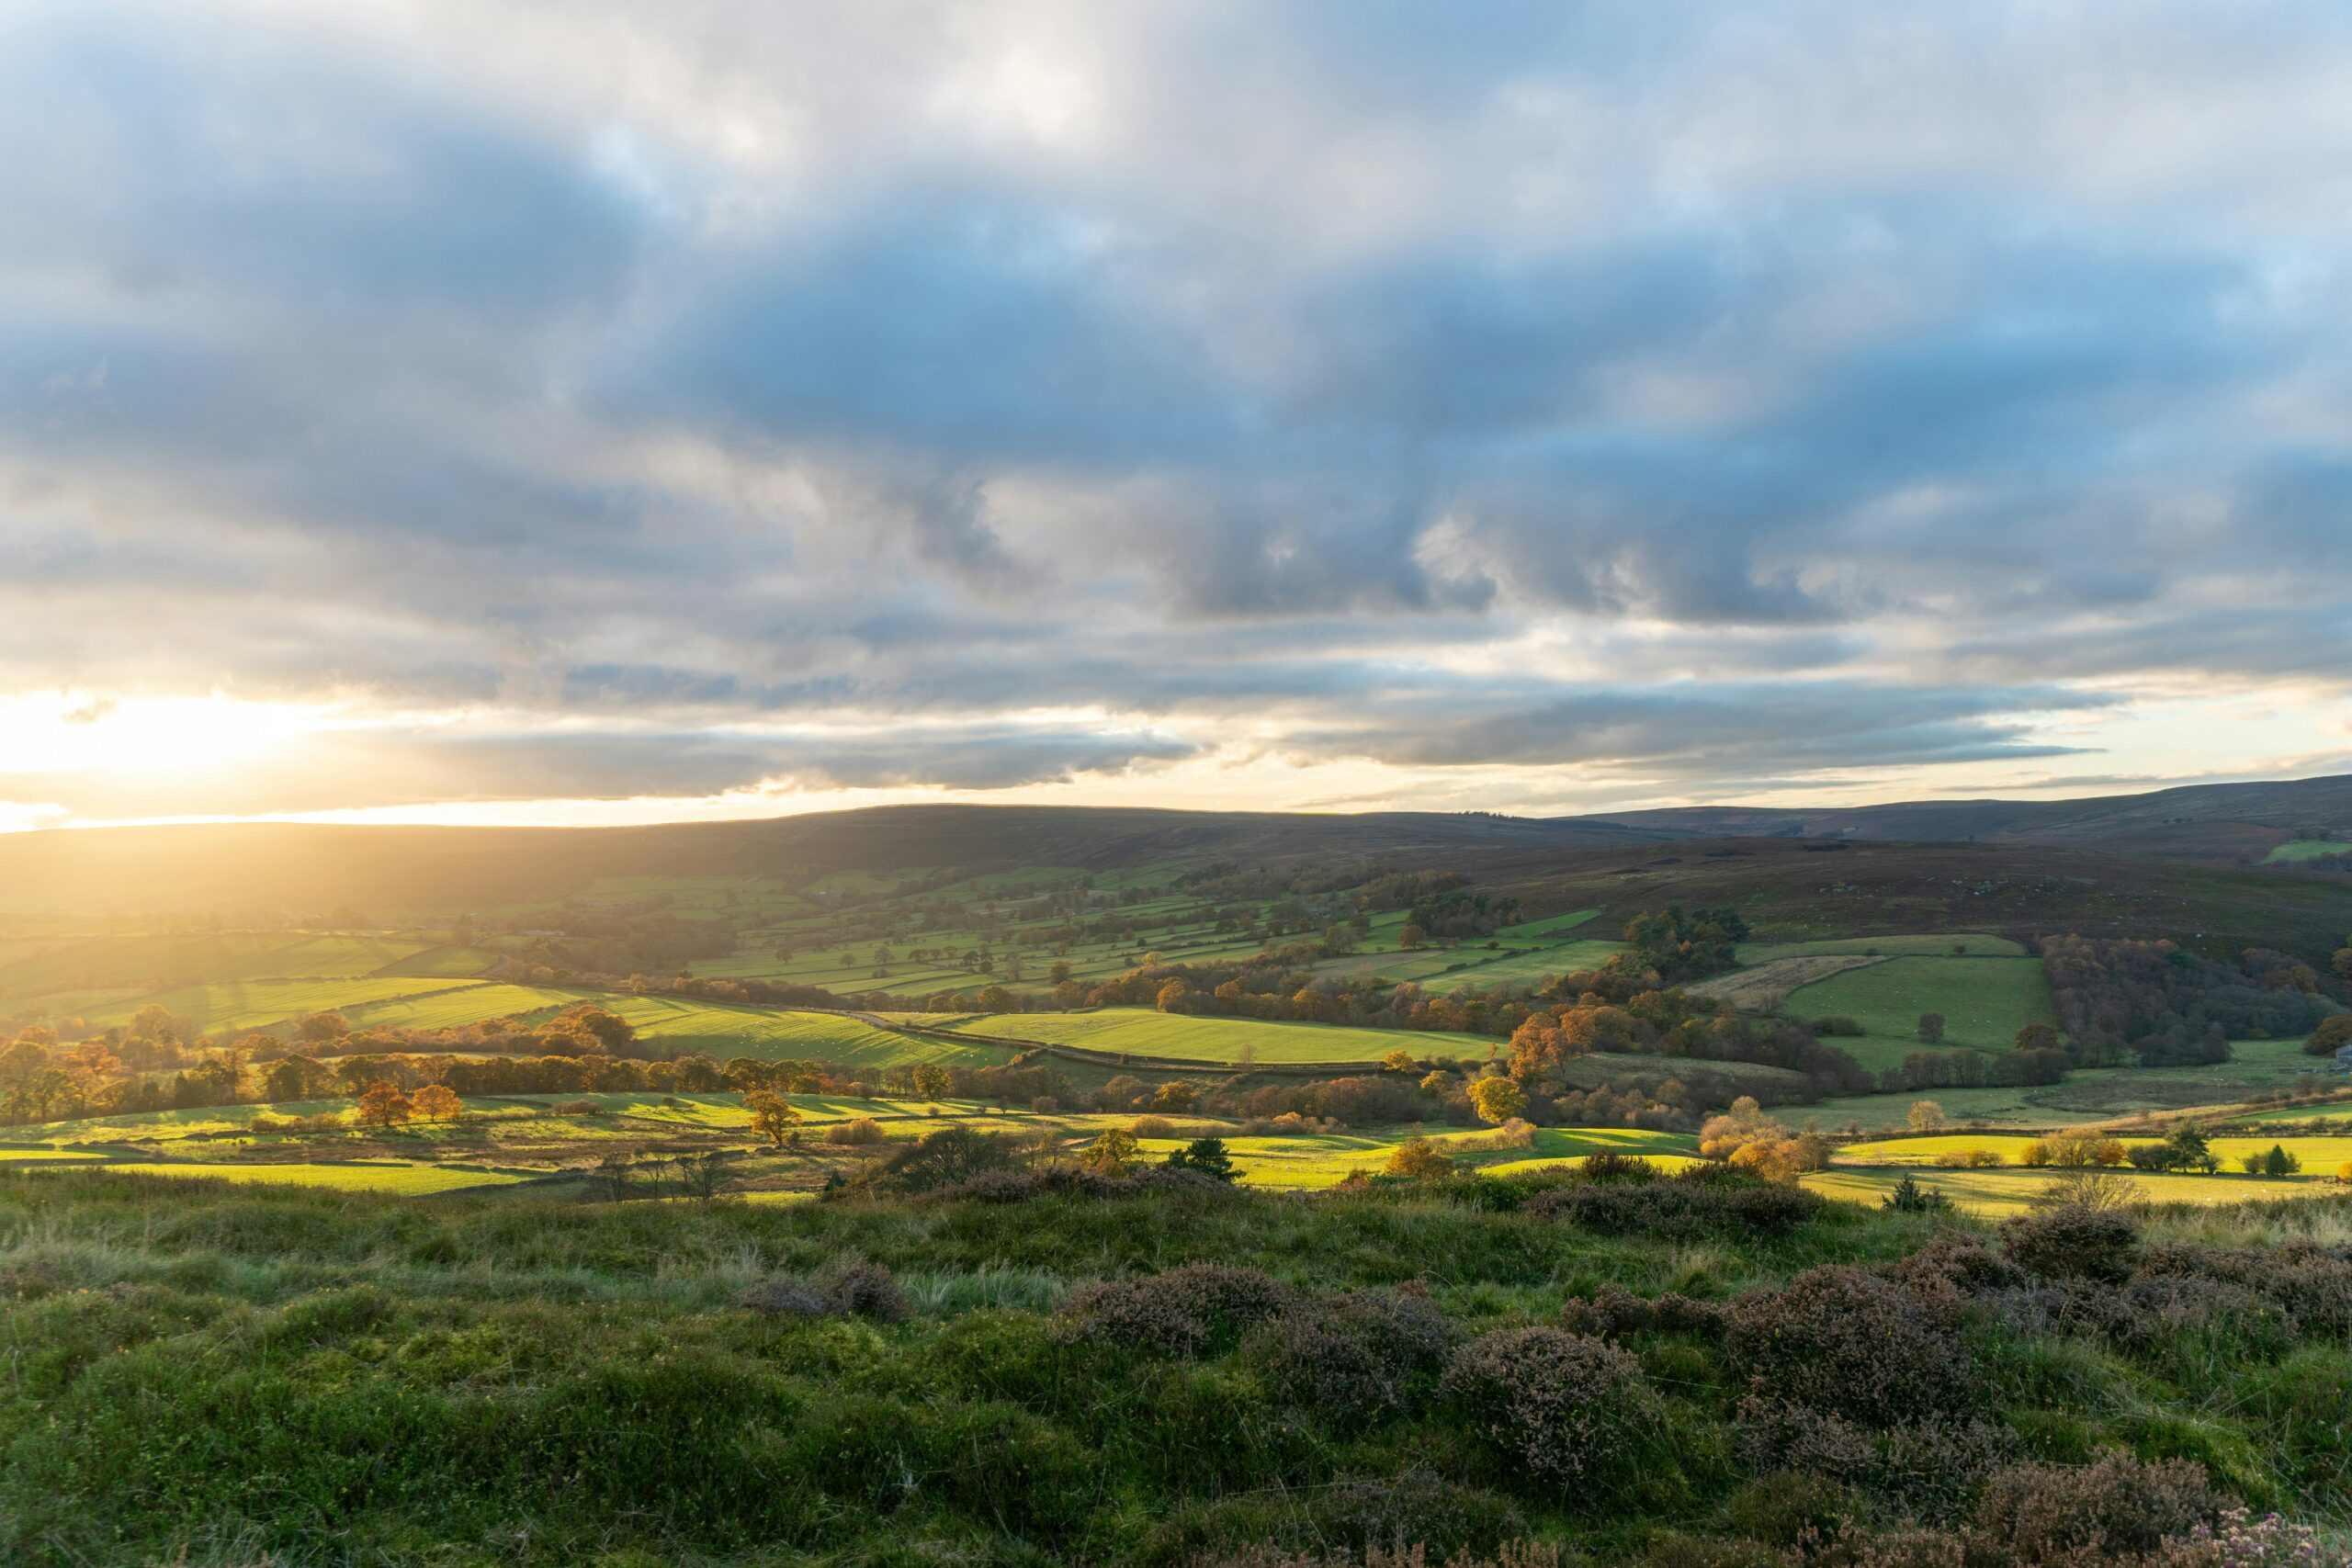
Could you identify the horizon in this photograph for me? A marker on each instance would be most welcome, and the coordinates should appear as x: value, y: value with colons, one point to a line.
x: 422, y: 413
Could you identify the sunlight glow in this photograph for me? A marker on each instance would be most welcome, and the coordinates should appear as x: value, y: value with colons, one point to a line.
x: 81, y: 732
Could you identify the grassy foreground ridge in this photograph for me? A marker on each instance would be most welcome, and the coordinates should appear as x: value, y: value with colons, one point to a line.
x: 1677, y: 1371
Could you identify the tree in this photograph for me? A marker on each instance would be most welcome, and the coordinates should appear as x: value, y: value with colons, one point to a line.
x: 2342, y: 961
x: 703, y: 1177
x: 1926, y: 1116
x: 1171, y: 996
x: 1436, y: 1081
x: 1206, y: 1156
x: 383, y: 1104
x: 1175, y: 1095
x: 1412, y: 936
x: 2037, y: 1037
x: 2332, y: 1035
x: 1418, y: 1157
x: 1931, y: 1027
x: 930, y: 1080
x: 1058, y: 971
x: 1496, y: 1099
x: 1397, y: 1062
x: 773, y: 1116
x: 436, y: 1102
x: 319, y: 1027
x: 1110, y: 1154
x: 2278, y: 1162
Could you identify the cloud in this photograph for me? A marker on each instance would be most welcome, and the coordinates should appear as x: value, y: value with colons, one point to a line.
x: 1591, y: 393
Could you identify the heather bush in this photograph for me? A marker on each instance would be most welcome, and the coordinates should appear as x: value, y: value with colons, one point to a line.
x: 1359, y: 1357
x: 1616, y: 1313
x: 1929, y: 1468
x: 2114, y: 1507
x: 1682, y: 1206
x: 1183, y: 1312
x: 1563, y: 1409
x: 2073, y: 1241
x: 1853, y: 1343
x: 853, y: 1289
x: 2311, y: 1284
x: 1958, y: 1261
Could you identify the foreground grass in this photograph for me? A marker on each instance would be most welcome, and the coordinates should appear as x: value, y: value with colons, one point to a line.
x: 217, y: 1376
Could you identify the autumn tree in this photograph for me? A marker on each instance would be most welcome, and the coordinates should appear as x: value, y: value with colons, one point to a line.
x: 383, y: 1104
x: 1926, y: 1116
x: 1110, y: 1154
x: 2331, y: 1035
x: 1496, y: 1099
x: 930, y: 1079
x: 1418, y: 1157
x: 773, y: 1116
x: 436, y: 1102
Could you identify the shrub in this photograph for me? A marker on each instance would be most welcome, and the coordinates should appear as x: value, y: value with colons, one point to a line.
x: 1910, y: 1198
x: 1703, y: 1200
x: 2071, y: 1241
x: 1354, y: 1358
x: 939, y: 1159
x: 579, y: 1108
x: 1858, y: 1344
x: 2115, y: 1507
x: 1152, y: 1127
x: 853, y: 1289
x: 1616, y: 1313
x: 1564, y: 1408
x: 2312, y: 1284
x: 1932, y: 1466
x: 1838, y: 1026
x: 1962, y: 1262
x: 858, y: 1130
x: 1610, y: 1166
x: 1183, y: 1312
x: 1418, y: 1157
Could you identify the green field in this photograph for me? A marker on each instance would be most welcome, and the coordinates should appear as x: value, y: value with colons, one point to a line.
x: 2306, y: 849
x: 720, y: 1030
x: 255, y: 1004
x: 443, y: 963
x: 1138, y: 1032
x: 180, y: 960
x: 404, y: 1178
x: 2320, y: 1155
x: 1996, y: 1194
x: 1984, y: 1002
x: 1933, y: 944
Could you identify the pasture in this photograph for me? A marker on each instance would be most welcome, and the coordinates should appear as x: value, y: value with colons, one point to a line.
x: 1984, y: 1000
x: 2000, y: 1194
x: 2296, y: 850
x: 1221, y: 1041
x: 2319, y: 1156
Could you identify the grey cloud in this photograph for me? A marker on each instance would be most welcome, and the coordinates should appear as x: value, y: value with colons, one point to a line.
x: 1331, y: 353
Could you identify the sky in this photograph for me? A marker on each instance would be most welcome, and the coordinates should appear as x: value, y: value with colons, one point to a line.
x: 646, y: 410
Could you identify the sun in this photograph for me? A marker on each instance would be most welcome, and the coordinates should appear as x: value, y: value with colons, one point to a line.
x: 88, y: 733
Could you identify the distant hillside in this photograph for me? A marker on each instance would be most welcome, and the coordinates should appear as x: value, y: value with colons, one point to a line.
x: 275, y: 868
x: 2214, y: 823
x: 302, y: 867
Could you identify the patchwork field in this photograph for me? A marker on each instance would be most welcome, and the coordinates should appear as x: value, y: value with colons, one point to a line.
x: 1138, y: 1032
x: 717, y: 1030
x: 2320, y: 1157
x: 1996, y: 1194
x: 1763, y: 988
x: 1984, y: 1000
